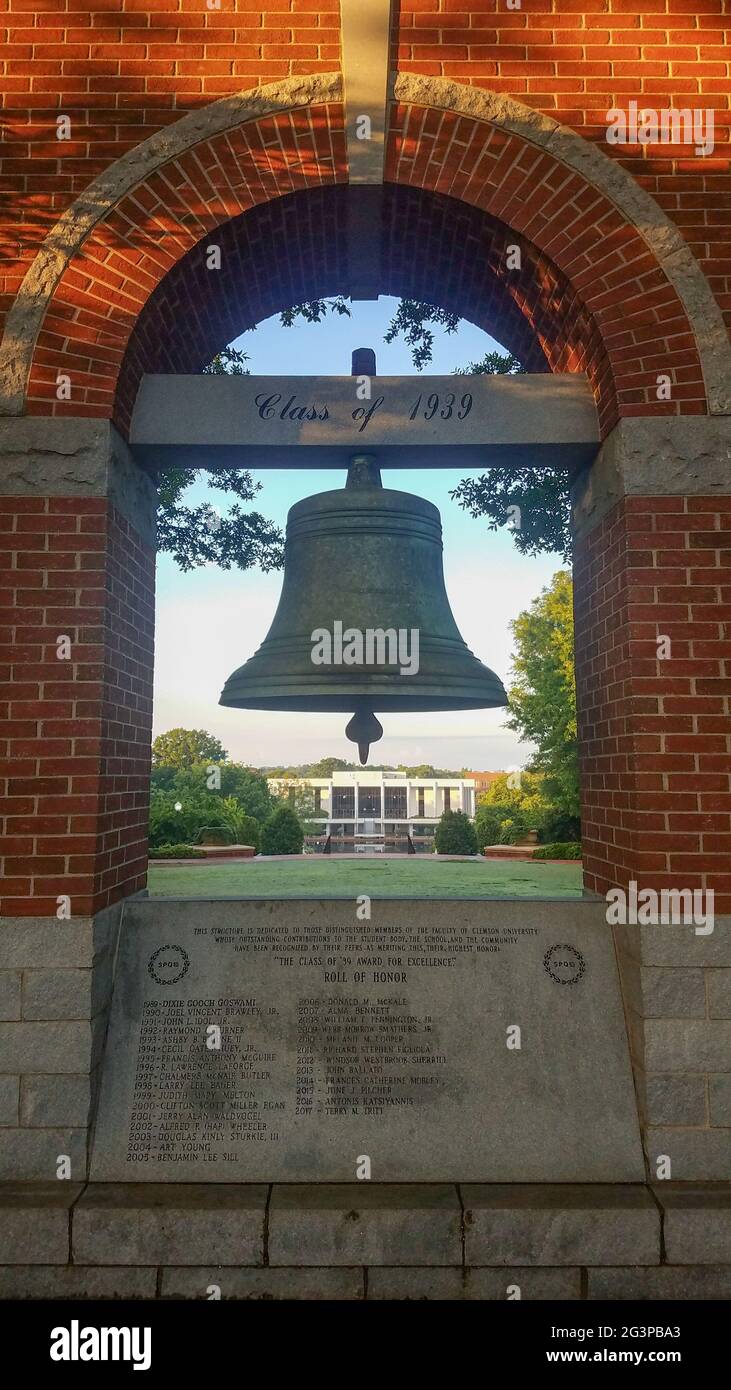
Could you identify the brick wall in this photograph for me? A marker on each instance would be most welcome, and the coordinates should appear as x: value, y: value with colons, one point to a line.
x: 76, y: 733
x: 124, y: 72
x: 656, y: 733
x: 591, y: 292
x: 576, y: 59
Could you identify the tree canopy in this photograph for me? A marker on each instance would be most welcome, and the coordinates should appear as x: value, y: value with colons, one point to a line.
x: 187, y: 748
x: 542, y: 699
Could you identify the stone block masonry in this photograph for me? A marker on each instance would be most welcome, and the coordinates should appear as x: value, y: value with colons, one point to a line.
x: 51, y: 1048
x: 365, y: 1241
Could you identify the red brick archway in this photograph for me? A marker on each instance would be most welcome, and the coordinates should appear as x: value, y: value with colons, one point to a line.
x: 607, y: 289
x: 594, y: 295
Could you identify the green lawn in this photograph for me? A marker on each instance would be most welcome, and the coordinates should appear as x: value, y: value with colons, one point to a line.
x: 427, y: 877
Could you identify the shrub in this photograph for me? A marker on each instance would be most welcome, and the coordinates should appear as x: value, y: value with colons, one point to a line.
x: 200, y: 813
x: 214, y: 835
x: 561, y: 850
x: 490, y: 818
x: 510, y: 832
x: 247, y: 831
x: 171, y: 827
x: 282, y: 833
x: 556, y: 827
x: 177, y: 852
x: 455, y: 834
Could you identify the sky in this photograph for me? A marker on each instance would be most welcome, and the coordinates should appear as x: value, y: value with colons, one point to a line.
x: 209, y: 621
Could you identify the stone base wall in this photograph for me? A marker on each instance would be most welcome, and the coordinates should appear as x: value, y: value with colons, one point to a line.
x: 55, y: 990
x: 677, y: 998
x: 358, y: 1241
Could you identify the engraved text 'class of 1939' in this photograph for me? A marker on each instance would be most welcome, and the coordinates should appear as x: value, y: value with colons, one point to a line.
x: 447, y: 405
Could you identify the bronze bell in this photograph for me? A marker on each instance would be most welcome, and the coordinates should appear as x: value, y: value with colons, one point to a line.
x: 363, y: 621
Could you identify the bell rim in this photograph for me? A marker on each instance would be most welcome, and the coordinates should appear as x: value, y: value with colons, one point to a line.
x: 378, y: 703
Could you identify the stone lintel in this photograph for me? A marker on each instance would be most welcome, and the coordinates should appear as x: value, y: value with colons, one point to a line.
x: 406, y: 422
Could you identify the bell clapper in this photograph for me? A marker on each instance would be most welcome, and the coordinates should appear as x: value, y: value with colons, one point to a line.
x: 364, y: 729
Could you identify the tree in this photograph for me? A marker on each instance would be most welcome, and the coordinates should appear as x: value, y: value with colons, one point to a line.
x: 327, y: 766
x: 249, y: 787
x: 411, y: 319
x: 489, y: 821
x: 314, y: 311
x: 455, y: 834
x: 282, y: 833
x: 521, y: 791
x: 512, y: 804
x: 301, y: 799
x: 186, y: 748
x: 534, y: 501
x: 493, y: 364
x: 201, y: 535
x: 228, y: 362
x: 542, y: 700
x: 195, y: 786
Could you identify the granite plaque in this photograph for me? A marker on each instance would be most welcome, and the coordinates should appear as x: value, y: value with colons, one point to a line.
x: 255, y: 1041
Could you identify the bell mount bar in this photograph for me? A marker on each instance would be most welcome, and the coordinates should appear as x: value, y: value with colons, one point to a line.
x: 459, y: 422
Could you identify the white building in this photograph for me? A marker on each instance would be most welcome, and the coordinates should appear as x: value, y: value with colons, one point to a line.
x: 381, y: 809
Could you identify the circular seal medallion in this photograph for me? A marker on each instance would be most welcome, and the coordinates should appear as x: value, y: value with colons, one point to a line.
x: 564, y: 964
x: 168, y: 964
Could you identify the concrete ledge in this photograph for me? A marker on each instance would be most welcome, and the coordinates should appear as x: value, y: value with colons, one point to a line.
x: 34, y: 1222
x: 474, y: 1284
x: 675, y: 1283
x: 354, y: 1223
x: 74, y: 1281
x: 32, y: 1155
x: 350, y: 1241
x: 697, y: 1223
x: 265, y: 1284
x: 534, y: 1224
x: 414, y: 1284
x: 178, y: 1224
